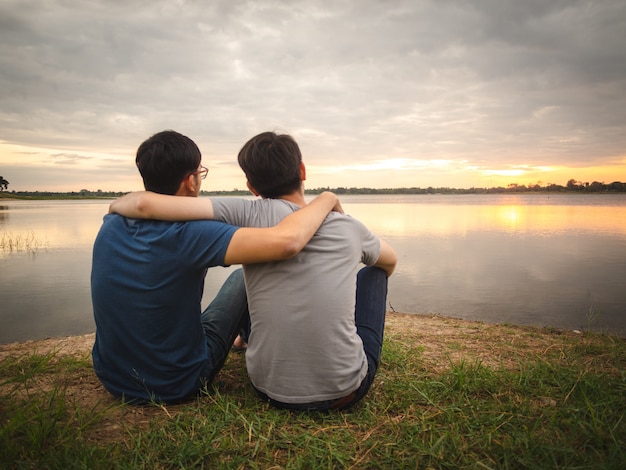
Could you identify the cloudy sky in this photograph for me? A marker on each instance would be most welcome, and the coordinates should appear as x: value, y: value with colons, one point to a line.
x: 377, y: 93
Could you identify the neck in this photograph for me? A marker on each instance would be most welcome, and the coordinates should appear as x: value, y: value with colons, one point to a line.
x: 297, y: 197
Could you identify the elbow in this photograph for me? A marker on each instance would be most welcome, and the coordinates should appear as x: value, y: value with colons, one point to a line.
x: 291, y: 249
x: 388, y: 261
x: 389, y: 266
x: 394, y: 261
x: 392, y: 265
x: 291, y: 246
x: 141, y: 207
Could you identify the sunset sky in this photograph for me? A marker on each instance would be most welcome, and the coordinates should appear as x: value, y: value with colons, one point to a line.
x: 377, y: 93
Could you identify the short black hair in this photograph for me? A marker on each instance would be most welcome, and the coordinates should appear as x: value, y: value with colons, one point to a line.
x: 165, y: 159
x: 271, y: 163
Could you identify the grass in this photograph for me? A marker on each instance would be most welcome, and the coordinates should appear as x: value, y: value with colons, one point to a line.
x: 449, y: 394
x: 10, y: 242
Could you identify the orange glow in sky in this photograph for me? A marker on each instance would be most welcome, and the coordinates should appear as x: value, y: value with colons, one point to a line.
x: 411, y: 94
x: 51, y: 170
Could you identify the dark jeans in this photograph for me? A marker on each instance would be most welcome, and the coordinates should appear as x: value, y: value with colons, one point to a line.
x: 222, y: 320
x: 369, y: 315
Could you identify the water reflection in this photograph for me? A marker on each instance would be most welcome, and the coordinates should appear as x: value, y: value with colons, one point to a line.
x: 54, y: 224
x: 558, y: 261
x: 449, y: 218
x: 561, y: 263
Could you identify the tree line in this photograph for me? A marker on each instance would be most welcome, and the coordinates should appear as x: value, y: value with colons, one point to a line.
x: 572, y: 186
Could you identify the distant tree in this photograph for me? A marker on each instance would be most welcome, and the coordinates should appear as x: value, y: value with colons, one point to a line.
x: 596, y: 187
x: 617, y: 186
x: 574, y: 185
x: 554, y: 187
x: 4, y: 184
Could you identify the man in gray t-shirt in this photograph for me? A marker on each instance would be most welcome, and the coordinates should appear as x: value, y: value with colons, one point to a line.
x: 303, y: 345
x: 317, y: 320
x: 307, y: 349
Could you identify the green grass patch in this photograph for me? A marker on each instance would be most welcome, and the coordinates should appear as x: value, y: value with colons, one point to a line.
x: 561, y: 405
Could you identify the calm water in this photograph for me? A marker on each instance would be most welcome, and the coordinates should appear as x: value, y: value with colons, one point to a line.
x: 557, y: 260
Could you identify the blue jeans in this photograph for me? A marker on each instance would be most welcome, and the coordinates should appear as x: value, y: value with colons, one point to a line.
x: 222, y: 320
x: 369, y: 316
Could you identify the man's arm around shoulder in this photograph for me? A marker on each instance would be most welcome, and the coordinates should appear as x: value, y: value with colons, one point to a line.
x: 248, y: 245
x: 285, y: 240
x: 149, y: 205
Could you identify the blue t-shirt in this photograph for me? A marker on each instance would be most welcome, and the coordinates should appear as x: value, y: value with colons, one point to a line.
x: 147, y: 281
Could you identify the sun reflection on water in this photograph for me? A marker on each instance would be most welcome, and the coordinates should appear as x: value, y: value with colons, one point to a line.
x: 451, y: 219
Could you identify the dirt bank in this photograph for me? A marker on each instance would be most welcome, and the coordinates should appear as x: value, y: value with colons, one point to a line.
x: 442, y: 338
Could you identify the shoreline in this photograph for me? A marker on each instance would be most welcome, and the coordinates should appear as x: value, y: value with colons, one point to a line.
x: 424, y: 325
x: 489, y: 389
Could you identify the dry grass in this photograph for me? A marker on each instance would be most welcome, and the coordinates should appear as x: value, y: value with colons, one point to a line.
x: 441, y: 342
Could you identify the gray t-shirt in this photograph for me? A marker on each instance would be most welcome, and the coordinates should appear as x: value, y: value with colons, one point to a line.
x: 303, y: 345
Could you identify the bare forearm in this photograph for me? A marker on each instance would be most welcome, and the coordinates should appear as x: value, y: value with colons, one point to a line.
x: 285, y: 240
x: 303, y: 224
x: 387, y: 259
x: 149, y: 205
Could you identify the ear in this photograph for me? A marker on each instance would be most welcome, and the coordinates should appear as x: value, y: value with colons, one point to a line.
x: 187, y: 186
x: 251, y: 188
x: 302, y: 171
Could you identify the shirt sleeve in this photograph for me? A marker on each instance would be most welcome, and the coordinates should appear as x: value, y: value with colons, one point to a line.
x: 370, y: 244
x: 251, y: 212
x: 235, y: 211
x: 206, y: 241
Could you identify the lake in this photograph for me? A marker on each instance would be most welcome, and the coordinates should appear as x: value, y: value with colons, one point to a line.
x: 556, y: 260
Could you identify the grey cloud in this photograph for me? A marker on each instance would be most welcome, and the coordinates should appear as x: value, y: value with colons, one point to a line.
x: 69, y: 159
x: 485, y: 81
x: 72, y: 178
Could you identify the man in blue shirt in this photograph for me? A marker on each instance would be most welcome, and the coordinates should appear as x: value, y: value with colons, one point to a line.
x: 317, y: 320
x: 153, y: 342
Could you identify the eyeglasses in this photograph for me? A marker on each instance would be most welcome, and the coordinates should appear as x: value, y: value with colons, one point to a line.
x: 202, y: 172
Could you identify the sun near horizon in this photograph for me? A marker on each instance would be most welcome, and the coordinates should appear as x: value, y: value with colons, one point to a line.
x: 60, y: 170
